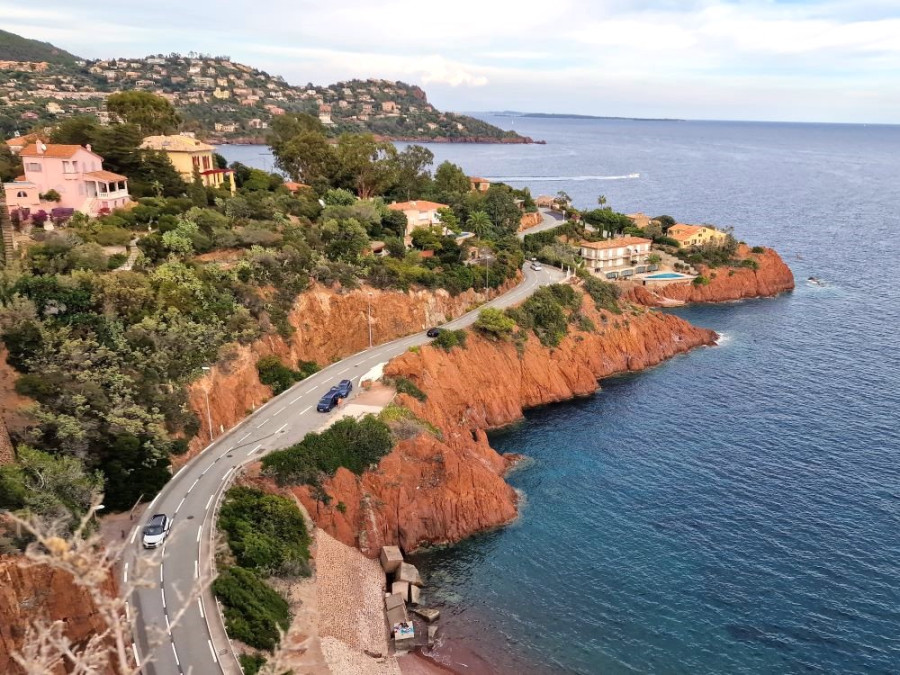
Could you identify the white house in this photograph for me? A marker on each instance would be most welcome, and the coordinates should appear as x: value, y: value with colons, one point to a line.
x: 614, y: 253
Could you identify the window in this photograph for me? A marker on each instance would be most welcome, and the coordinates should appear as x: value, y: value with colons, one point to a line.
x: 206, y: 162
x: 21, y: 193
x: 33, y: 166
x: 70, y: 167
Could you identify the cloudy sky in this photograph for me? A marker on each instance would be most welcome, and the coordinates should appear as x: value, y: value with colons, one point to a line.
x: 792, y: 60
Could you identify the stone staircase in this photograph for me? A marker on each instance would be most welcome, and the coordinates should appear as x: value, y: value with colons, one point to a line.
x: 6, y: 231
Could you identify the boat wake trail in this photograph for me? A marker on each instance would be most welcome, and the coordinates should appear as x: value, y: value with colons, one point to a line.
x: 629, y: 176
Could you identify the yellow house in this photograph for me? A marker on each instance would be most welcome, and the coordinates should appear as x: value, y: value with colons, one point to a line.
x: 695, y: 235
x: 188, y: 154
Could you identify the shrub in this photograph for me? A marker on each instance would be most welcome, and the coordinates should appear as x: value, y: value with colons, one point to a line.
x: 748, y: 262
x: 448, y: 339
x: 404, y: 423
x: 116, y: 260
x: 275, y: 374
x: 253, y: 611
x: 758, y: 249
x: 251, y: 663
x: 113, y: 236
x: 495, y: 322
x: 50, y: 196
x: 349, y: 443
x: 701, y: 281
x: 266, y: 532
x: 407, y: 386
x: 604, y: 294
x: 543, y: 311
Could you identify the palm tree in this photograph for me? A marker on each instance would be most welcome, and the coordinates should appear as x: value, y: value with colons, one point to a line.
x: 601, y: 200
x: 480, y: 223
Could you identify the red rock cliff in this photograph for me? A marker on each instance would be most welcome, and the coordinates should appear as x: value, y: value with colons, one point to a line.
x: 38, y: 592
x: 431, y: 491
x: 772, y: 277
x: 328, y: 326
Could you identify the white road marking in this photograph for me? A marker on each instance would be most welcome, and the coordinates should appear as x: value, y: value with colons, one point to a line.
x: 244, y: 436
x: 137, y: 659
x: 133, y: 535
x: 199, y: 532
x: 298, y: 398
x: 194, y: 485
x: 200, y: 605
x: 179, y: 504
x: 125, y: 574
x: 280, y: 428
x: 281, y: 409
x: 196, y: 570
x: 176, y: 655
x: 168, y: 625
x: 261, y: 423
x: 160, y: 572
x: 209, y: 501
x: 343, y: 371
x: 150, y: 505
x: 304, y: 410
x: 258, y: 446
x: 162, y: 592
x: 212, y: 651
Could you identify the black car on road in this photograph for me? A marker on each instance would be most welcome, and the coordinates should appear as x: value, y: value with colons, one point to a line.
x: 433, y: 332
x: 329, y: 400
x: 344, y: 388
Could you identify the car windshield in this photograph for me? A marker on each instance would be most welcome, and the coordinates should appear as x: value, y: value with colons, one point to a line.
x: 326, y: 399
x: 153, y: 530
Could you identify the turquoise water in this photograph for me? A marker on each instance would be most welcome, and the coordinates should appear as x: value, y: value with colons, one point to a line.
x: 736, y: 509
x: 667, y: 275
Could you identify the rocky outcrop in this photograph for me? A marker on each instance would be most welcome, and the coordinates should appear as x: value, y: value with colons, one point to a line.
x: 328, y: 326
x: 430, y: 490
x: 529, y: 220
x: 771, y: 277
x: 38, y: 592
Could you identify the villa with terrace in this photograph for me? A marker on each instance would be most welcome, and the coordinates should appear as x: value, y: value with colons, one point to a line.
x: 614, y: 254
x: 74, y: 173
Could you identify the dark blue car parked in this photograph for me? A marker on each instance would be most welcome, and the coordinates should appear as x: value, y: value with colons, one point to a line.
x: 329, y: 400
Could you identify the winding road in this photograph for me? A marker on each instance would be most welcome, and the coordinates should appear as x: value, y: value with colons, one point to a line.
x: 197, y: 643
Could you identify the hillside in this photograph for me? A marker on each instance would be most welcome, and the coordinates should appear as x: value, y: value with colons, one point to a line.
x: 222, y: 101
x: 16, y: 48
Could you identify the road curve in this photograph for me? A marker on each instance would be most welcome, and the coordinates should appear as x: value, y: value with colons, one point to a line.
x: 197, y: 643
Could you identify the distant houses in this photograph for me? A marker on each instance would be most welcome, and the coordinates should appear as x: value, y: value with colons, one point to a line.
x: 64, y: 177
x: 187, y: 155
x: 419, y: 214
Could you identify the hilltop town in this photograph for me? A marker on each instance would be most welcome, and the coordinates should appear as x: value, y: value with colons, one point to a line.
x: 220, y: 100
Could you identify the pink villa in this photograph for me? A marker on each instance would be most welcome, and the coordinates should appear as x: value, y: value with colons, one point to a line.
x: 74, y: 172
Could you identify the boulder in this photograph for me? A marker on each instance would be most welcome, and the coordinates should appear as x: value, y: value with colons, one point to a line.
x: 409, y: 574
x: 395, y: 604
x: 427, y: 613
x: 414, y: 592
x: 432, y: 633
x: 391, y: 558
x: 401, y: 587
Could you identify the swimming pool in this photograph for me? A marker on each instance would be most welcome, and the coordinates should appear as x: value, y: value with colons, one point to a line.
x: 667, y: 275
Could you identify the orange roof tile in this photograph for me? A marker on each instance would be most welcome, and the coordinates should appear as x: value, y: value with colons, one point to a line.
x: 682, y: 231
x: 22, y: 141
x: 420, y: 205
x: 52, y: 150
x: 615, y: 243
x: 105, y: 175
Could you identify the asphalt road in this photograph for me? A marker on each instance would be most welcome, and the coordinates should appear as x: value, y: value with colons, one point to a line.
x: 550, y: 220
x: 197, y: 643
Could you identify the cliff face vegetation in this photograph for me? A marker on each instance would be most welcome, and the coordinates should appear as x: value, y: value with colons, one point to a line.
x: 328, y: 326
x: 38, y: 592
x: 441, y: 490
x: 771, y: 277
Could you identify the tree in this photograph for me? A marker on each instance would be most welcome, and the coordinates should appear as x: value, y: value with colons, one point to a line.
x: 500, y: 205
x: 10, y: 164
x: 196, y: 191
x: 365, y: 165
x: 480, y: 223
x: 344, y: 239
x: 152, y: 114
x: 601, y: 200
x: 495, y: 323
x: 79, y: 130
x: 412, y: 175
x: 450, y: 182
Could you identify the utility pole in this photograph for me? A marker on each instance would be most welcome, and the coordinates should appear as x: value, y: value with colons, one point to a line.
x: 369, y: 317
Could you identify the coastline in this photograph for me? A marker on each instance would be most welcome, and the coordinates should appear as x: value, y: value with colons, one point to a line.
x: 470, y: 140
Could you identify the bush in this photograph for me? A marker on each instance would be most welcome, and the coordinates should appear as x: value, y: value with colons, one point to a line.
x: 266, y: 532
x: 406, y: 386
x: 253, y: 611
x: 448, y: 339
x: 251, y: 663
x: 544, y: 313
x: 116, y: 260
x: 275, y: 374
x: 701, y: 281
x: 495, y: 323
x: 752, y: 264
x: 604, y: 294
x: 349, y: 443
x: 758, y: 249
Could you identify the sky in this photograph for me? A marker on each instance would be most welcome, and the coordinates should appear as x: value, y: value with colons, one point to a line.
x: 788, y: 60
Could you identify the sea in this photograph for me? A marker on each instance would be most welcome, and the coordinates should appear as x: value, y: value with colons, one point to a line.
x: 735, y: 509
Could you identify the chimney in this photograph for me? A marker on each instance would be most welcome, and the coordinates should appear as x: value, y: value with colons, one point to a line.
x: 41, y: 148
x: 87, y: 147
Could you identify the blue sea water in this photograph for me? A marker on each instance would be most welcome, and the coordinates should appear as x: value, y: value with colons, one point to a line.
x: 736, y: 509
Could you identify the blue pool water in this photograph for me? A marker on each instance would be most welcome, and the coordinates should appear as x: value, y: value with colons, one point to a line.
x: 736, y: 509
x: 666, y: 275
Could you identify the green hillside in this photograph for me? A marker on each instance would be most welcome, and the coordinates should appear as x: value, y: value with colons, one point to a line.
x: 16, y: 48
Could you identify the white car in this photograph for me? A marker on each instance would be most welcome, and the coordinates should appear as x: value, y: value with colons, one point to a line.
x: 536, y: 266
x: 155, y: 530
